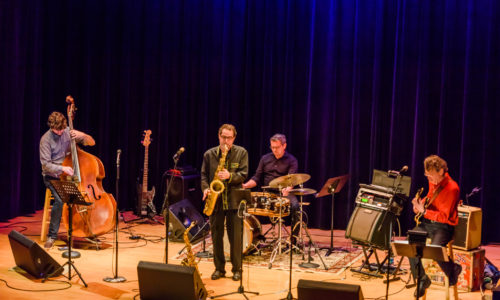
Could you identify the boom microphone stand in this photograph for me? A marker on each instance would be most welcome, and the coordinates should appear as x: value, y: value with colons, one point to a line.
x: 116, y: 278
x: 166, y: 209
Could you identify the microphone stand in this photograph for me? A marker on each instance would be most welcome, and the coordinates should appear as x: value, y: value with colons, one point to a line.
x: 394, y: 190
x: 116, y: 278
x: 166, y: 207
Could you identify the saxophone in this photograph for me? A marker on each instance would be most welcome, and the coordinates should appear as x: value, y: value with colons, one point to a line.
x: 216, y: 186
x: 190, y: 260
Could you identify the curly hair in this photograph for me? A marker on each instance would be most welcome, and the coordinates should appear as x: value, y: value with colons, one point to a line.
x: 57, y: 121
x: 434, y: 162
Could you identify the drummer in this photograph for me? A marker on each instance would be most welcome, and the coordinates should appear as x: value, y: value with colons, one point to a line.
x: 273, y: 165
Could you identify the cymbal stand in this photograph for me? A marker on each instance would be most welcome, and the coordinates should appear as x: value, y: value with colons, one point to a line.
x: 308, y: 264
x: 277, y: 248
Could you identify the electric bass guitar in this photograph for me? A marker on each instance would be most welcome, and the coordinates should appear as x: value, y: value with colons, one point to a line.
x: 145, y: 205
x: 426, y: 203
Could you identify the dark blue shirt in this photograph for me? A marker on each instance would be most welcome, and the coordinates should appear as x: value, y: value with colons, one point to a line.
x: 270, y: 168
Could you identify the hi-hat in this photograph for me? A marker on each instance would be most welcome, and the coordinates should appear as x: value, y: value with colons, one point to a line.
x: 302, y: 192
x: 289, y: 180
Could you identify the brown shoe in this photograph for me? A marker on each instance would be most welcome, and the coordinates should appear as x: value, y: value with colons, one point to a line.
x: 49, y: 243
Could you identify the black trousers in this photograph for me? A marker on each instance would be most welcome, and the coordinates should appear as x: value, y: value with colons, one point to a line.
x: 233, y: 225
x: 440, y: 234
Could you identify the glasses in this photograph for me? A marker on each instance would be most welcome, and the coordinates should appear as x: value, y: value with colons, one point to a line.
x: 275, y: 147
x: 226, y: 137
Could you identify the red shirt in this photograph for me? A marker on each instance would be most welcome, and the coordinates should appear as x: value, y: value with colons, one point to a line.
x: 444, y: 208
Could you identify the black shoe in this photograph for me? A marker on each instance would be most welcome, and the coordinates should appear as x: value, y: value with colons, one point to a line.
x: 456, y: 271
x: 236, y: 275
x: 217, y: 274
x: 424, y: 284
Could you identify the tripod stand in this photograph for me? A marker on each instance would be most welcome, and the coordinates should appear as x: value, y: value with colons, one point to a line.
x: 332, y: 186
x: 242, y: 209
x: 69, y: 194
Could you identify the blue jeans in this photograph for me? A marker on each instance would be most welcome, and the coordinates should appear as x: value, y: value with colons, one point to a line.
x: 56, y: 212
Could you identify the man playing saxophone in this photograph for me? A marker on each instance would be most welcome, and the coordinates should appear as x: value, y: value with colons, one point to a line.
x: 232, y: 172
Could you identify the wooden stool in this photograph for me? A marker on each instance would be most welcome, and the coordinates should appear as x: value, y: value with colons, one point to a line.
x: 46, y: 215
x: 446, y: 279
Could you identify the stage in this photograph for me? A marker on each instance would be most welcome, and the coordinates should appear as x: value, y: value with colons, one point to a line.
x: 272, y: 283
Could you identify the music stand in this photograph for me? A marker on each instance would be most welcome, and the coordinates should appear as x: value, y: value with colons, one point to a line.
x: 331, y: 187
x: 69, y: 194
x: 404, y: 248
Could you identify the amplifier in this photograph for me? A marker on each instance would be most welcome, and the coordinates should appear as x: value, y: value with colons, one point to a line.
x: 370, y: 226
x: 468, y: 231
x: 378, y: 200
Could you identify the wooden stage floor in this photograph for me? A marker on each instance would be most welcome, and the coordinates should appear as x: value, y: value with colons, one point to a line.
x: 95, y: 265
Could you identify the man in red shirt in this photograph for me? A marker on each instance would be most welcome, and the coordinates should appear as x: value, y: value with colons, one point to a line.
x: 438, y: 219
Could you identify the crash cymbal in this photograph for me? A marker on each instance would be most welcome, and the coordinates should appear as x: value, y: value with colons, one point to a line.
x: 289, y: 180
x: 302, y: 192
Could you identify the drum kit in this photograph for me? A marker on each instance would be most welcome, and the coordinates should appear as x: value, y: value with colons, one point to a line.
x: 273, y: 204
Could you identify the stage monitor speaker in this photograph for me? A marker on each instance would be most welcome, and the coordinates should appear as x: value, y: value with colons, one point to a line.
x: 468, y: 231
x: 370, y: 226
x: 315, y: 290
x: 30, y: 257
x: 182, y: 214
x: 166, y: 281
x: 185, y: 187
x: 496, y: 292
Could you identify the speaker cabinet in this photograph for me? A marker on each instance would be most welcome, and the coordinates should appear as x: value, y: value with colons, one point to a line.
x: 315, y: 290
x: 496, y: 293
x: 30, y: 257
x: 182, y: 214
x: 185, y: 187
x: 468, y: 230
x: 370, y: 226
x: 166, y: 281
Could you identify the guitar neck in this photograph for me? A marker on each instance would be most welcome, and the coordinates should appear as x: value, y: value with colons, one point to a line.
x: 145, y: 174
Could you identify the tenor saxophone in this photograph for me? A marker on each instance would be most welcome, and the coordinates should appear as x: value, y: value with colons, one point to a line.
x: 190, y: 259
x: 216, y: 186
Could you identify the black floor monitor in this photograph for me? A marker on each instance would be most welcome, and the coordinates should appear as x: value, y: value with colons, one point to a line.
x: 31, y: 257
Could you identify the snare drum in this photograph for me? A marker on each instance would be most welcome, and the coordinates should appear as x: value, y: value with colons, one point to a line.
x: 261, y: 200
x: 251, y: 230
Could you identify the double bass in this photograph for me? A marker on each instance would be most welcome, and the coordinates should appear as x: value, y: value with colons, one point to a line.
x: 88, y: 173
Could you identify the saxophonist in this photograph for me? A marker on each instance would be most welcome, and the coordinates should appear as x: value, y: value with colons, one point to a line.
x: 232, y: 174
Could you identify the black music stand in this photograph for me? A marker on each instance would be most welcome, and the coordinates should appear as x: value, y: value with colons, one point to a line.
x: 419, y: 250
x: 331, y: 187
x: 69, y: 194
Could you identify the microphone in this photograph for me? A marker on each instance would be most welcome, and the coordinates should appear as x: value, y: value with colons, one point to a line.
x: 403, y: 169
x: 179, y: 152
x: 118, y: 152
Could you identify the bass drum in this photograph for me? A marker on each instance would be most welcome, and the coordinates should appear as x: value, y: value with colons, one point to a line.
x: 251, y: 230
